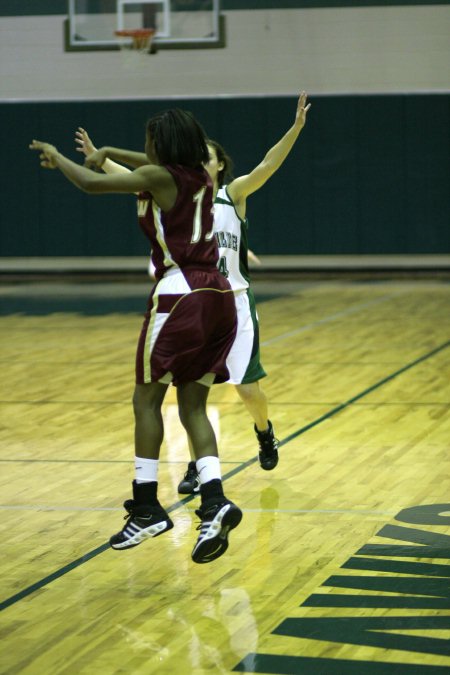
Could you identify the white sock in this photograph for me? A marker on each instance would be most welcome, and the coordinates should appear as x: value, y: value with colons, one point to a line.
x: 208, y: 468
x: 146, y: 470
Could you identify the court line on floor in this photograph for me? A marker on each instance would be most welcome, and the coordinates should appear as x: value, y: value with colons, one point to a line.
x: 321, y: 322
x: 350, y: 401
x: 330, y: 317
x: 210, y: 403
x: 100, y: 549
x: 96, y: 509
x: 100, y: 461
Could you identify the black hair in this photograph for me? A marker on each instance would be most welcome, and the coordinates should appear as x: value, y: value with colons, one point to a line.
x: 178, y: 138
x: 225, y: 174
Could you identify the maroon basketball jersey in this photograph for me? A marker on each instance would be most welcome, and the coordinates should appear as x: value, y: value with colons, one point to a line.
x: 183, y: 236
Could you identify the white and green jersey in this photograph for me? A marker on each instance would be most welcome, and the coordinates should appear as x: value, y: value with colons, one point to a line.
x: 243, y: 361
x: 231, y: 233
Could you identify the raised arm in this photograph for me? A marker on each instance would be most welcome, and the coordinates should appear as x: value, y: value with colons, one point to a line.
x: 87, y: 147
x: 243, y: 186
x: 151, y: 177
x: 107, y: 157
x: 129, y: 157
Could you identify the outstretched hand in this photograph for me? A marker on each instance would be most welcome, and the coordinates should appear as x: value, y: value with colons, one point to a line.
x: 252, y: 257
x: 302, y: 109
x: 84, y: 143
x: 94, y: 159
x: 48, y: 153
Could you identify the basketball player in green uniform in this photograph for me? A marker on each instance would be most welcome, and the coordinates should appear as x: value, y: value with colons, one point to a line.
x: 231, y: 231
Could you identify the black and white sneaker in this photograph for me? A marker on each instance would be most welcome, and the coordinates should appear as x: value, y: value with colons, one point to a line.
x: 268, y: 444
x: 142, y: 523
x: 191, y: 481
x: 217, y: 520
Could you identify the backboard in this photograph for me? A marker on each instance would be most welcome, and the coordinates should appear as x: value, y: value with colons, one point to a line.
x: 91, y: 24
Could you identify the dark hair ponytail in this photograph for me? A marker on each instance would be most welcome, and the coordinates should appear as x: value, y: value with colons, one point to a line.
x: 178, y: 138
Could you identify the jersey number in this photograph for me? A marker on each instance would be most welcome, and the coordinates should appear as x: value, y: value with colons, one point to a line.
x: 222, y: 266
x: 197, y: 224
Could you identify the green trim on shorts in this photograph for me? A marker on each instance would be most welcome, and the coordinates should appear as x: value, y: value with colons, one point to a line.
x: 254, y: 371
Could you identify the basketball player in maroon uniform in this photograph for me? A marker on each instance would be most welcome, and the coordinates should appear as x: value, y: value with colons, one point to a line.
x: 190, y: 323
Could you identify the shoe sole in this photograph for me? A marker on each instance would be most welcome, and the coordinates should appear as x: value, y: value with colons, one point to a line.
x: 143, y: 534
x: 273, y: 462
x: 186, y: 491
x: 212, y: 547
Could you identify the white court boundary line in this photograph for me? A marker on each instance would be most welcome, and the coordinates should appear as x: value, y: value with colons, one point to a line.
x: 330, y: 317
x: 44, y: 507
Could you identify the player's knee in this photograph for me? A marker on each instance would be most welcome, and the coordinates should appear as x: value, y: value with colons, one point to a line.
x: 250, y: 393
x: 191, y: 413
x: 144, y: 399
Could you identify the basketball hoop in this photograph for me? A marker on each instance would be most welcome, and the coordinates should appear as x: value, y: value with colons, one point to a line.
x: 137, y: 39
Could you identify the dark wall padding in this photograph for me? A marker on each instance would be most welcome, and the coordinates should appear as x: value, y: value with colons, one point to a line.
x: 369, y: 174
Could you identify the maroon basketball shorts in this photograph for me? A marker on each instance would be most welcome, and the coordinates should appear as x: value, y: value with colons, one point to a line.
x: 189, y: 329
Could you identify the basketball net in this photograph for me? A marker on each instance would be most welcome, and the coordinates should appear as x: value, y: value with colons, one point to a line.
x: 134, y: 43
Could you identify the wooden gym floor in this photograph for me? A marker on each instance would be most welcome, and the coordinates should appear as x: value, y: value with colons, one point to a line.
x: 341, y: 564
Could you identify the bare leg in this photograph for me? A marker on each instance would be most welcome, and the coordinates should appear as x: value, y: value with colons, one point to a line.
x: 192, y: 398
x: 146, y: 517
x: 255, y: 401
x: 191, y: 449
x: 218, y: 515
x: 149, y: 427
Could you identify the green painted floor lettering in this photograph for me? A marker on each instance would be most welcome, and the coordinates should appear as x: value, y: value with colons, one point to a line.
x: 303, y: 665
x: 431, y: 544
x: 371, y: 631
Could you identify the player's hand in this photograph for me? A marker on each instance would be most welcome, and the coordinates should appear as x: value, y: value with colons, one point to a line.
x: 96, y: 159
x: 302, y: 109
x: 252, y: 257
x: 48, y: 153
x: 84, y: 143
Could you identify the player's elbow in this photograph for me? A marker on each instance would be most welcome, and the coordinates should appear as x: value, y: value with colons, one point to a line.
x: 269, y: 167
x: 92, y: 185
